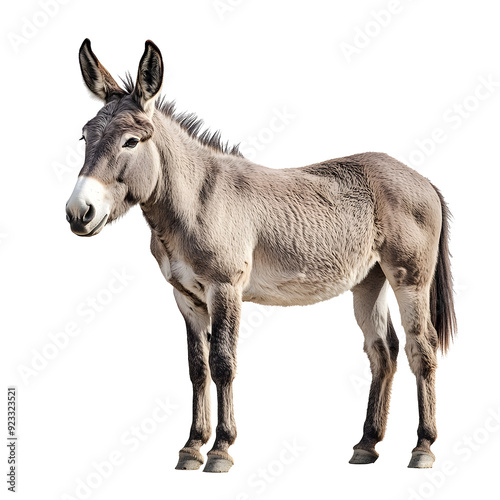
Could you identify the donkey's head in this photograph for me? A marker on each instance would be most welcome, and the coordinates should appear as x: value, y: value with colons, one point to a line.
x: 121, y: 165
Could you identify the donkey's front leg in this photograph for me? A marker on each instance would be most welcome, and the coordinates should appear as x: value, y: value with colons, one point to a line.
x: 198, y: 330
x: 225, y: 309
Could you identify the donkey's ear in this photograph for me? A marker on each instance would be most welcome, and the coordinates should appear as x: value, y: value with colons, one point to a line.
x: 97, y: 78
x: 149, y: 77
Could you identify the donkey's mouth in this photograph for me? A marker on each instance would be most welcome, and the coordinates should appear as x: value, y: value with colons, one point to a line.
x: 98, y: 227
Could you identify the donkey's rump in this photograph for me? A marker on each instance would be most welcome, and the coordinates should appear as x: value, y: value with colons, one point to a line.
x: 410, y: 214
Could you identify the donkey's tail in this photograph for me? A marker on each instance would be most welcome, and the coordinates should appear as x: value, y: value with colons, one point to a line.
x: 441, y: 297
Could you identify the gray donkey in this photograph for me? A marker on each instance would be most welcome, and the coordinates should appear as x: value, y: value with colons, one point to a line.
x: 226, y: 230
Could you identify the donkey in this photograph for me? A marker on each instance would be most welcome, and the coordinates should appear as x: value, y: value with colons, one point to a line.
x: 226, y: 230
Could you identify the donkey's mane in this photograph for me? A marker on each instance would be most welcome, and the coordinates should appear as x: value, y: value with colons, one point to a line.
x: 189, y: 122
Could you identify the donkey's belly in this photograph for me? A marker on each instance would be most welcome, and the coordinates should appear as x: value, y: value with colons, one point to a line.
x: 269, y: 286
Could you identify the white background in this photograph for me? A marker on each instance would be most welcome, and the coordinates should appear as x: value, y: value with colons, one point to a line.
x: 302, y: 375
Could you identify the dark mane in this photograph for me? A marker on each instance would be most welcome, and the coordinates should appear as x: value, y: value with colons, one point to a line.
x: 189, y: 122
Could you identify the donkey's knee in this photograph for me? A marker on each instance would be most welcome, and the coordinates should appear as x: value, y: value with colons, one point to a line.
x: 222, y: 368
x: 199, y: 371
x: 198, y: 357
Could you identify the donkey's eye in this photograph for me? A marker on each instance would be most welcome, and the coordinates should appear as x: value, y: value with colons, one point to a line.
x: 131, y: 143
x: 82, y: 138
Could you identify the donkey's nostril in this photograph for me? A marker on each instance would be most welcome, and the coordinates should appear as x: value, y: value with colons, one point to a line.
x: 69, y: 218
x: 89, y: 214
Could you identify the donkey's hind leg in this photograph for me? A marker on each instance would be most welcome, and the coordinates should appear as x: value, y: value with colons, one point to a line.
x: 381, y: 345
x: 198, y: 329
x: 421, y: 346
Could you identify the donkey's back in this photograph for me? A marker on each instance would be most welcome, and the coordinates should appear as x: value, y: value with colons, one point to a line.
x: 321, y: 228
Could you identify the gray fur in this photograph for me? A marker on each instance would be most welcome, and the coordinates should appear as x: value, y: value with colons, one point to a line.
x: 226, y: 230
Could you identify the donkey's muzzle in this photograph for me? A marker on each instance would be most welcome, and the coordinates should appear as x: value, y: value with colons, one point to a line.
x: 80, y: 218
x: 88, y: 209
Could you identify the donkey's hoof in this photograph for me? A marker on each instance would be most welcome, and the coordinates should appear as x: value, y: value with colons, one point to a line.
x: 421, y: 460
x: 363, y: 457
x: 218, y: 461
x: 189, y: 459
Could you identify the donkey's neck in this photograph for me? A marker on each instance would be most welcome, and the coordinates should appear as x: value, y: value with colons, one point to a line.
x: 184, y: 164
